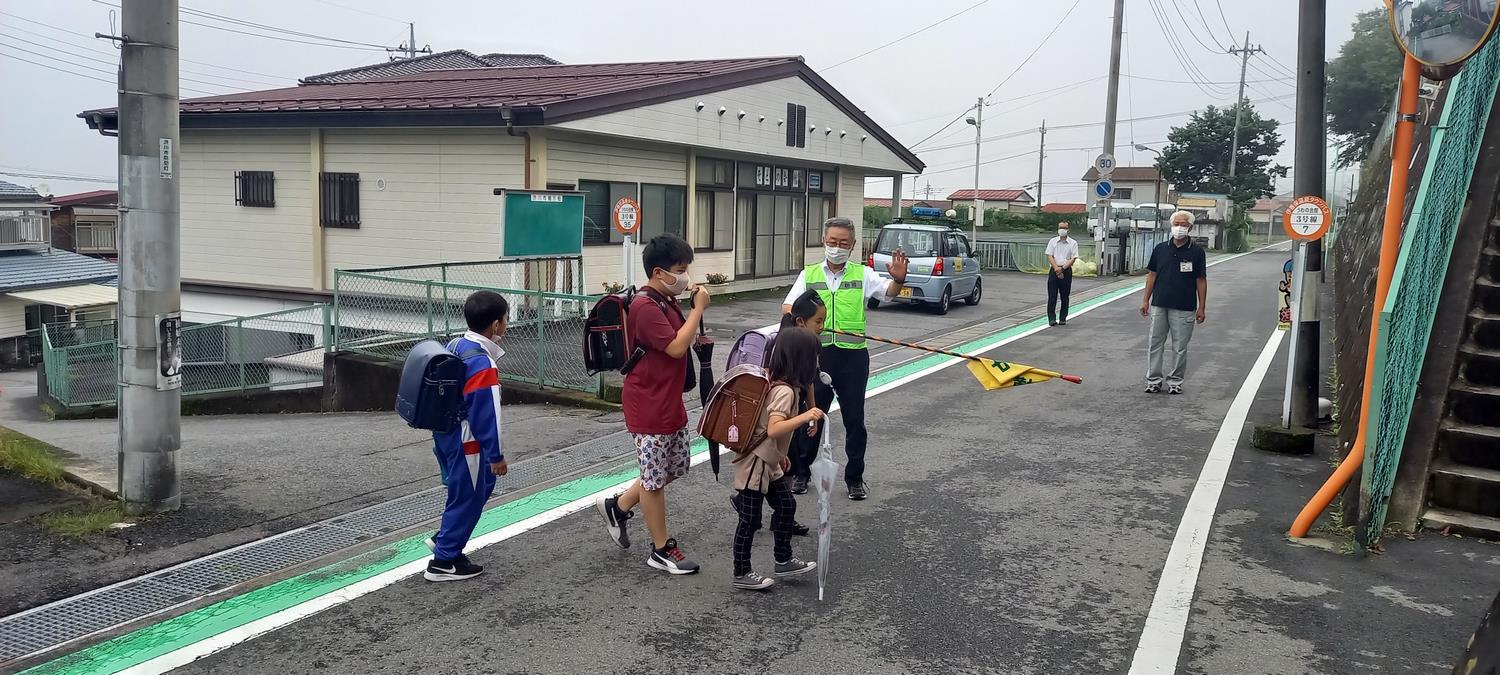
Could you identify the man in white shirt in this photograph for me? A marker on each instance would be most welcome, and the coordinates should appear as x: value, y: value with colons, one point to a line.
x: 844, y: 286
x: 1062, y: 252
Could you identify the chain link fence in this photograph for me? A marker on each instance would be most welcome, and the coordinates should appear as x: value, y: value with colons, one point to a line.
x: 280, y: 350
x: 383, y: 313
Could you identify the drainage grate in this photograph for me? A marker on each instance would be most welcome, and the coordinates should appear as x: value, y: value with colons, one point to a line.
x: 37, y: 630
x: 44, y: 628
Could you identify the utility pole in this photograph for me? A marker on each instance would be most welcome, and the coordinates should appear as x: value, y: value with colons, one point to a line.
x: 1041, y: 160
x: 1239, y: 101
x: 150, y: 304
x: 1111, y: 105
x: 1308, y: 168
x: 408, y: 50
x: 978, y: 121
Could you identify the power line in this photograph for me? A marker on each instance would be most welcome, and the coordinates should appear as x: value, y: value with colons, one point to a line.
x: 1157, y: 79
x: 362, y: 11
x: 327, y: 41
x: 908, y: 35
x: 1186, y: 25
x: 276, y: 29
x: 945, y: 126
x: 1224, y: 18
x: 43, y: 176
x: 1038, y: 48
x: 1203, y: 18
x: 1281, y: 66
x: 1183, y: 59
x: 114, y: 60
x: 108, y: 63
x: 60, y: 29
x: 60, y: 70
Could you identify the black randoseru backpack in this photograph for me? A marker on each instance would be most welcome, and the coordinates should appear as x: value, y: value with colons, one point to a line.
x: 606, y: 343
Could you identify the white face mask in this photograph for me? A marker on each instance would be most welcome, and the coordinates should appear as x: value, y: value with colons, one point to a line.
x: 836, y: 255
x: 1062, y: 233
x: 679, y: 282
x: 1179, y: 231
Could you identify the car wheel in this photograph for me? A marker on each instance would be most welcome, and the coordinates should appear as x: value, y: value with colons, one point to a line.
x: 872, y: 303
x: 945, y: 302
x: 973, y: 298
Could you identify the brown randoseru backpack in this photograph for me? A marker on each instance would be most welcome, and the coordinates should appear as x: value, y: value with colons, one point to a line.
x: 734, y: 407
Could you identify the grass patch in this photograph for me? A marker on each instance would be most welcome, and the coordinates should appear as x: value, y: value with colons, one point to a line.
x: 29, y: 457
x: 84, y: 520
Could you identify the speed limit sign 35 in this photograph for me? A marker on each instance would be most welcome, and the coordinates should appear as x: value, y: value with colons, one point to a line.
x: 1307, y: 218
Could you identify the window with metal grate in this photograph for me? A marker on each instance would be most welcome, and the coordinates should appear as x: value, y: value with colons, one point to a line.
x: 338, y: 199
x: 255, y: 188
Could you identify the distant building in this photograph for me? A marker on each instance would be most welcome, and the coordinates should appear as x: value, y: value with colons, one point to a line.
x: 906, y: 204
x: 1065, y: 207
x: 1133, y: 185
x: 86, y: 223
x: 994, y: 199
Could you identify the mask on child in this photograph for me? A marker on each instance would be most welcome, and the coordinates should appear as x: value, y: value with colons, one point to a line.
x: 678, y: 284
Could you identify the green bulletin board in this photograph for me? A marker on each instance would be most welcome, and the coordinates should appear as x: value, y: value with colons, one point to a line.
x: 540, y: 223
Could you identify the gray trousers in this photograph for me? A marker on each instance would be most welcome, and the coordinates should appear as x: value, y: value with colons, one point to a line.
x: 1177, y: 324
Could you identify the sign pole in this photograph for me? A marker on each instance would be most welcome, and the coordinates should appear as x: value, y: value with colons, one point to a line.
x: 626, y: 216
x: 1299, y: 263
x: 1306, y: 221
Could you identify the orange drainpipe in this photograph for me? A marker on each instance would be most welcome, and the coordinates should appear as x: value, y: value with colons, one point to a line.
x: 1390, y: 249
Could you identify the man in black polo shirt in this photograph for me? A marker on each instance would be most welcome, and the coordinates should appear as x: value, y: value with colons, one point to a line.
x: 1176, y: 293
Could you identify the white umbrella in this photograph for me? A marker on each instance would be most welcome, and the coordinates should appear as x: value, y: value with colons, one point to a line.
x: 824, y: 470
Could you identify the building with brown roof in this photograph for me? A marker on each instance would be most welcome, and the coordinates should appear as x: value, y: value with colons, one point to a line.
x: 86, y: 223
x: 449, y: 60
x: 1065, y: 207
x: 745, y: 158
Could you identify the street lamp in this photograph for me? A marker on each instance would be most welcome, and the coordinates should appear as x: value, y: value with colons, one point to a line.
x: 978, y: 121
x: 1143, y: 148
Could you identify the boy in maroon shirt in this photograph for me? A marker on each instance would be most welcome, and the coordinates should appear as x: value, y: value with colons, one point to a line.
x: 652, y: 398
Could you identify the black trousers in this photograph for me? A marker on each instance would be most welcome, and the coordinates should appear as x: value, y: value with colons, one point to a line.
x: 1058, y: 287
x: 850, y: 371
x: 747, y: 504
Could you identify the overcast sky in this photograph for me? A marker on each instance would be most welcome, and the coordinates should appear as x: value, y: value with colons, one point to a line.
x: 912, y: 88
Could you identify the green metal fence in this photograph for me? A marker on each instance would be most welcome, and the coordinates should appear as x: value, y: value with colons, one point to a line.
x: 383, y: 313
x: 279, y: 350
x: 1406, y: 318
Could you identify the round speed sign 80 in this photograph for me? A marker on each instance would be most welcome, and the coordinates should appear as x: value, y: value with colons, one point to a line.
x: 1307, y: 218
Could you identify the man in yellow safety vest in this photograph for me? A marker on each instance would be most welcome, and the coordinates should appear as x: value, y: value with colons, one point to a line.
x: 844, y: 287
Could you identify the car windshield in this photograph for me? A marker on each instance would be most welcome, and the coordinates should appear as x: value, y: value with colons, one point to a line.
x: 915, y: 243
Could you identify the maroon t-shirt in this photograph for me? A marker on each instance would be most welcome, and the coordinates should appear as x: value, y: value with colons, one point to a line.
x: 652, y: 395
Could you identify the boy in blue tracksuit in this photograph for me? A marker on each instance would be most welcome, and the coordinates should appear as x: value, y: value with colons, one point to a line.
x: 471, y: 455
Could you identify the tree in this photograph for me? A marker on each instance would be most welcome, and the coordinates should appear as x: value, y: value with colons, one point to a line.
x: 1196, y: 158
x: 1361, y: 86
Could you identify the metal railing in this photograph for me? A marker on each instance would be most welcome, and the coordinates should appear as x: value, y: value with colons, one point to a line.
x: 94, y: 237
x: 24, y: 228
x: 383, y: 313
x: 279, y: 350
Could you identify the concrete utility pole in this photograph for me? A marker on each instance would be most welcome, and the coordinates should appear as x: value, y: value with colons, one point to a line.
x: 978, y: 121
x: 1111, y: 106
x: 150, y: 352
x: 1041, y: 161
x: 1309, y: 166
x: 1239, y: 101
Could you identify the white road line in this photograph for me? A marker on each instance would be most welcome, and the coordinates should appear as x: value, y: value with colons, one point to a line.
x: 285, y: 617
x: 1161, y: 641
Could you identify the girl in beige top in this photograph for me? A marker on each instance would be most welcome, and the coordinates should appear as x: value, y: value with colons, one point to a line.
x: 760, y: 473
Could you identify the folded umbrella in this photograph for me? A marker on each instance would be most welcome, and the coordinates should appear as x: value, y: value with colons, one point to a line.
x: 703, y: 346
x: 991, y: 374
x: 824, y: 471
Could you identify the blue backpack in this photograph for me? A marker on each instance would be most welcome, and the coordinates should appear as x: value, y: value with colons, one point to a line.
x: 431, y: 395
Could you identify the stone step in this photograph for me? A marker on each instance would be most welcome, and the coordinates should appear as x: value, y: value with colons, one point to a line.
x: 1470, y: 489
x: 1466, y: 523
x: 1474, y: 404
x: 1470, y: 444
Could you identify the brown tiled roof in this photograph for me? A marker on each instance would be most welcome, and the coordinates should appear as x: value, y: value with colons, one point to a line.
x: 1065, y: 207
x: 91, y: 197
x: 992, y: 195
x: 1134, y: 173
x: 449, y: 60
x: 532, y: 95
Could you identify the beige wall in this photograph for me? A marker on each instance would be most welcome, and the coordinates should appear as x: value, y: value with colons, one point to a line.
x: 680, y: 122
x: 426, y: 195
x: 223, y: 242
x: 12, y: 317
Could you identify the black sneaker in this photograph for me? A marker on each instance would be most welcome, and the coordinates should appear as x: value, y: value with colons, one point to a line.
x: 799, y: 485
x: 799, y: 530
x: 858, y: 491
x: 1062, y: 322
x: 794, y: 567
x: 456, y: 569
x: 1051, y: 322
x: 670, y: 559
x: 614, y: 520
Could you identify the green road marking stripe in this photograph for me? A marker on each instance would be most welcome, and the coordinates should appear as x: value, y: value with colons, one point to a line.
x: 175, y: 633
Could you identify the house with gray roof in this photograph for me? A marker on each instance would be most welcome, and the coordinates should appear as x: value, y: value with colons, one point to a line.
x: 40, y: 284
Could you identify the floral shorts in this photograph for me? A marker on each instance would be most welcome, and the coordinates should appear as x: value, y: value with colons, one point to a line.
x: 662, y: 457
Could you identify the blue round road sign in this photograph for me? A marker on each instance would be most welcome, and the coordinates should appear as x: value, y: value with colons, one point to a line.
x: 1104, y: 188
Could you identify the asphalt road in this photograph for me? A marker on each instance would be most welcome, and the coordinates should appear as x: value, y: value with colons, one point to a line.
x: 1017, y: 531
